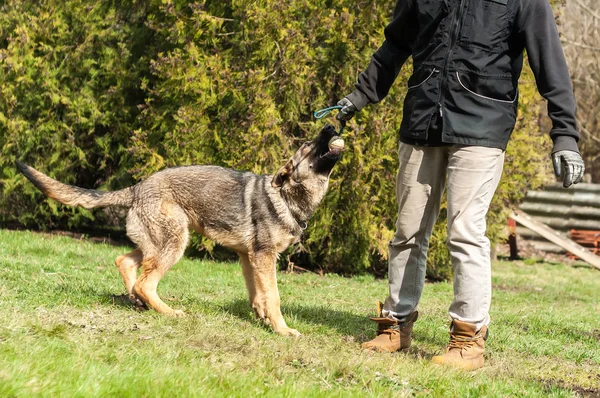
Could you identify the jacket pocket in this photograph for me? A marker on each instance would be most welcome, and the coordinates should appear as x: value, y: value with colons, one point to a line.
x: 412, y: 84
x: 431, y: 11
x: 480, y: 109
x: 487, y: 24
x: 421, y: 102
x: 491, y: 88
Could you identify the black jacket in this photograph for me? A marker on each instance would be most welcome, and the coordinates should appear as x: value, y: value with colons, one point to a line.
x: 468, y: 56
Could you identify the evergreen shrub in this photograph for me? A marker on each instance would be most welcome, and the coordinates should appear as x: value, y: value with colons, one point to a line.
x: 102, y: 94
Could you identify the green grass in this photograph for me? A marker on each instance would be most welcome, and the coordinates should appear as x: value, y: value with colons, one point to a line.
x: 67, y: 330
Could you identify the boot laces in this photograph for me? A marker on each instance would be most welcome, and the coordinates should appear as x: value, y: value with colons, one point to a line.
x: 461, y: 343
x: 389, y: 330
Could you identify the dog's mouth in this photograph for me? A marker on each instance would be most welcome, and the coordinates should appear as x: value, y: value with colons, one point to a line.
x: 330, y: 145
x: 335, y: 147
x: 329, y: 148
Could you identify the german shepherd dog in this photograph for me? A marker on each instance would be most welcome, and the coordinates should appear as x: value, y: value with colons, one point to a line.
x: 258, y: 216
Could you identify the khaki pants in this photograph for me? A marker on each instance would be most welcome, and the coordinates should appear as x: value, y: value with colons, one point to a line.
x: 472, y: 175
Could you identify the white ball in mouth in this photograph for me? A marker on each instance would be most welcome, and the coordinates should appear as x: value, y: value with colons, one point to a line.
x: 336, y: 143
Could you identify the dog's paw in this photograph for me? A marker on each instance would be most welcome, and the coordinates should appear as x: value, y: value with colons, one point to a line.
x: 176, y: 313
x: 137, y: 302
x: 288, y: 332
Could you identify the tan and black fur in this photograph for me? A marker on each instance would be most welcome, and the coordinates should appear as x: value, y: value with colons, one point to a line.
x: 258, y: 216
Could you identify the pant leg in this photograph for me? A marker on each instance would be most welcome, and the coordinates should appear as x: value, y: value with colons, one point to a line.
x: 473, y: 176
x: 419, y: 188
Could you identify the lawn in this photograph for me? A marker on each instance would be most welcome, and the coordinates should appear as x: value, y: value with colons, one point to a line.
x: 66, y: 329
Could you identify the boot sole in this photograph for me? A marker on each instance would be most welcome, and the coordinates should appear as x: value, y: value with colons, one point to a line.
x: 382, y: 351
x: 467, y: 365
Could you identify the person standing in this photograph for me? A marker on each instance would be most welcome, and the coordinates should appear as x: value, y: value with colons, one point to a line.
x: 459, y: 112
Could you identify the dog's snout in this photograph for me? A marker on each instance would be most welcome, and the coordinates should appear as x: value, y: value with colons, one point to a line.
x: 329, y: 129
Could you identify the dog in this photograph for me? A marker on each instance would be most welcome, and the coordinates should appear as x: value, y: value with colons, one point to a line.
x: 258, y: 216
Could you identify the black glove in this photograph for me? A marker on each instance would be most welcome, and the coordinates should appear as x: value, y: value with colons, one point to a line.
x: 348, y: 110
x: 573, y: 165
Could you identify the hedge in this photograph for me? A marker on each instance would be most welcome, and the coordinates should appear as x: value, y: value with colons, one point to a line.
x: 103, y: 93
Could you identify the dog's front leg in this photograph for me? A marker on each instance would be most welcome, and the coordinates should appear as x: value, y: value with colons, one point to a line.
x: 261, y: 280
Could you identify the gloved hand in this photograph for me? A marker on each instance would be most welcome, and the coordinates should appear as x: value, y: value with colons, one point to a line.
x: 348, y: 110
x: 573, y: 165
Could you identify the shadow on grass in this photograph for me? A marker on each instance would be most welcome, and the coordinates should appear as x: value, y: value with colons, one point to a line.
x: 360, y: 328
x: 553, y: 385
x: 117, y: 300
x: 121, y: 301
x: 343, y: 322
x: 108, y: 236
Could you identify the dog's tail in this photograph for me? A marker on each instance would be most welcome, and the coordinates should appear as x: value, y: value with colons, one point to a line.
x: 75, y: 196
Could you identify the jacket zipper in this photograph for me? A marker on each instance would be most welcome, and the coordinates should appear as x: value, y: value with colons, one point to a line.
x: 456, y: 29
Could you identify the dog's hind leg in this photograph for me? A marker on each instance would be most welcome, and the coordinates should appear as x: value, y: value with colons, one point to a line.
x: 128, y: 265
x: 263, y: 282
x: 164, y: 246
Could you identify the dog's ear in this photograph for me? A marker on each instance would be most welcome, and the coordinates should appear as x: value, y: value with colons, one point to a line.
x: 282, y: 175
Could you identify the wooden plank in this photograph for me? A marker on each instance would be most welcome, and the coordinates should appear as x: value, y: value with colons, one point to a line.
x: 512, y: 239
x: 555, y: 237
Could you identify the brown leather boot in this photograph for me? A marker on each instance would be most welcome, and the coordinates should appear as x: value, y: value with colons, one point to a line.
x: 392, y: 335
x: 466, y: 347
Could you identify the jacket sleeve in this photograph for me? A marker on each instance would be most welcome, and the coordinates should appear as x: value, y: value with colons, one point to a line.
x: 537, y: 28
x: 375, y: 82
